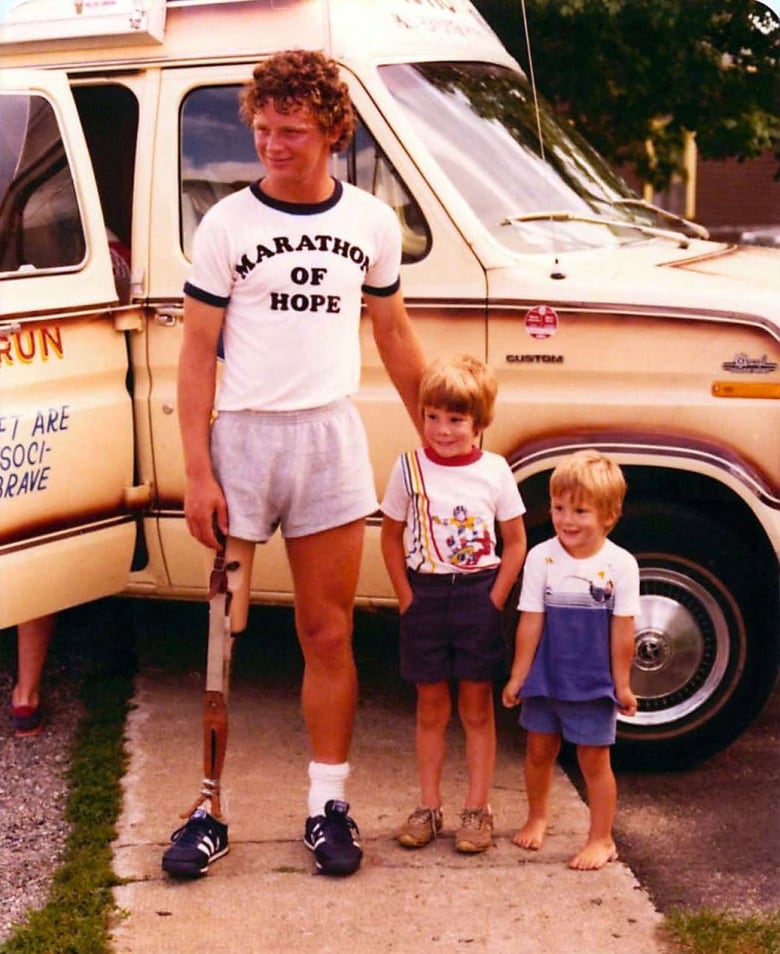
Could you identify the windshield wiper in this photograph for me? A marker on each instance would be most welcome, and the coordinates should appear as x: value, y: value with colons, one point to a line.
x: 668, y: 234
x: 693, y: 229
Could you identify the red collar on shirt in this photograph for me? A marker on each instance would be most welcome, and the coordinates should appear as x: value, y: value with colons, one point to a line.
x: 458, y: 461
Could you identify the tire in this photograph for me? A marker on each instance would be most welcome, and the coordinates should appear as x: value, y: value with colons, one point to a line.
x: 705, y: 647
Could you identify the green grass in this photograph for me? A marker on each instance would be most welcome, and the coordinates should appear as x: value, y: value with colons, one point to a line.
x: 712, y: 932
x: 75, y: 919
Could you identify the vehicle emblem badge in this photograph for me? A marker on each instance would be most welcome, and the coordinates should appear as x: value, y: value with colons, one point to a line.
x: 742, y: 364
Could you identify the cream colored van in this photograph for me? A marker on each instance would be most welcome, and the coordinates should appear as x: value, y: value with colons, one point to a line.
x: 609, y: 324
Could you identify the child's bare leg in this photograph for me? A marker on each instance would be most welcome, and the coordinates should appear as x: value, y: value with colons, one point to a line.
x: 541, y: 751
x: 475, y: 707
x: 434, y: 706
x: 602, y: 801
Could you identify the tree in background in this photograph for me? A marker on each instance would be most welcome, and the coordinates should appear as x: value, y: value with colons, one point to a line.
x: 637, y: 77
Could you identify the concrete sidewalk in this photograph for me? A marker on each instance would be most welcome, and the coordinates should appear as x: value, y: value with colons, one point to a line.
x: 263, y: 896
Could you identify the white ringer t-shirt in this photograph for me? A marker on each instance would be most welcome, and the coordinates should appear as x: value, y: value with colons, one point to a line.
x: 291, y: 279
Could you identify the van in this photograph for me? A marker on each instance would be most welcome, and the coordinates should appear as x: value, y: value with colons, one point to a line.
x: 609, y: 323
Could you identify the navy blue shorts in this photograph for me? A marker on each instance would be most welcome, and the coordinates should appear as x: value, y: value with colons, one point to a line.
x: 452, y: 630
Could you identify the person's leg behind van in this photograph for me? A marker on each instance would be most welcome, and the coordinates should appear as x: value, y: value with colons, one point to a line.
x: 33, y: 640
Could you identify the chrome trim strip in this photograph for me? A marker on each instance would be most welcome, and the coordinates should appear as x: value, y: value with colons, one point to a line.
x: 539, y: 452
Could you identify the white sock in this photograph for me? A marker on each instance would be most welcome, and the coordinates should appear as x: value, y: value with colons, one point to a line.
x: 326, y: 782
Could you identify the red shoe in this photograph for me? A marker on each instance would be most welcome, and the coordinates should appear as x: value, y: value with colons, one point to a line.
x: 27, y: 720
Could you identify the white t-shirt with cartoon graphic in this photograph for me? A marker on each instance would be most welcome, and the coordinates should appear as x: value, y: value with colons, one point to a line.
x: 291, y: 278
x: 450, y: 507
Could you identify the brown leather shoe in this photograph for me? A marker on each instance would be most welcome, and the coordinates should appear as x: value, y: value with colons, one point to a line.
x: 476, y: 830
x: 421, y: 827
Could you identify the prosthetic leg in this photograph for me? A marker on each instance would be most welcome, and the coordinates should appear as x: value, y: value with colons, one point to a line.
x: 229, y: 584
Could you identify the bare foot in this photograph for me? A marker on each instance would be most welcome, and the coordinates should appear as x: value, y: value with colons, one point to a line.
x: 531, y: 835
x: 594, y: 855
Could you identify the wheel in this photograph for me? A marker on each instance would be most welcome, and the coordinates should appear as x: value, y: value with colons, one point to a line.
x: 689, y: 656
x: 705, y: 648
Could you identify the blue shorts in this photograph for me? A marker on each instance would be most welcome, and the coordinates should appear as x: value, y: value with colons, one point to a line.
x: 452, y: 630
x: 592, y: 722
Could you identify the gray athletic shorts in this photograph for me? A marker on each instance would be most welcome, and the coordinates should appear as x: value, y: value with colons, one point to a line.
x: 303, y: 471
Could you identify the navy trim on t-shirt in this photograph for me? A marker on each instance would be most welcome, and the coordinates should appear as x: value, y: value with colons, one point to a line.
x: 218, y: 301
x: 298, y: 208
x: 382, y: 292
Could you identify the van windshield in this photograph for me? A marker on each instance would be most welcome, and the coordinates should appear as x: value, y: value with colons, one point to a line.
x: 479, y: 122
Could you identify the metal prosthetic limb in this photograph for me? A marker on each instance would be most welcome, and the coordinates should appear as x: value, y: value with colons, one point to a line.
x: 228, y: 609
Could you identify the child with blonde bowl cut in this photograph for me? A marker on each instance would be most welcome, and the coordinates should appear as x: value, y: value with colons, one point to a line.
x: 441, y: 510
x: 574, y: 646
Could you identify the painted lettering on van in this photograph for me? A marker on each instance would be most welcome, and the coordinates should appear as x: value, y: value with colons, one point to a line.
x: 31, y: 344
x: 23, y: 458
x: 451, y: 16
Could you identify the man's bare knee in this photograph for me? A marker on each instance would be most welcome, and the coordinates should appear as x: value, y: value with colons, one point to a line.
x: 326, y: 644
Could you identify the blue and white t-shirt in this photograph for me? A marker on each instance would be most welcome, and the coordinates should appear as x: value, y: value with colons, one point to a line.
x: 578, y: 598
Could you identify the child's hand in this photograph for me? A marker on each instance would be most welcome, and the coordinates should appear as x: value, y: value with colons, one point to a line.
x: 627, y: 702
x: 510, y: 697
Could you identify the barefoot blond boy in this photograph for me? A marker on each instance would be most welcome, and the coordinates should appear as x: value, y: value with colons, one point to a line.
x: 574, y: 646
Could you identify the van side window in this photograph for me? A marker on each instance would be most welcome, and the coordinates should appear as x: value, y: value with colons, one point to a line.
x: 365, y: 165
x: 109, y: 118
x: 40, y: 223
x: 217, y: 157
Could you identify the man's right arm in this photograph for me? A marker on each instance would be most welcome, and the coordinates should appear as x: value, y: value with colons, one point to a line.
x: 399, y: 348
x: 204, y: 502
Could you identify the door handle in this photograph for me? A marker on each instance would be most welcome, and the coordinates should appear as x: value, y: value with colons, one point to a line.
x: 168, y: 317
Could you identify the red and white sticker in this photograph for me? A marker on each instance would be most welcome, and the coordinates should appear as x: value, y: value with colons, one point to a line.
x: 541, y: 322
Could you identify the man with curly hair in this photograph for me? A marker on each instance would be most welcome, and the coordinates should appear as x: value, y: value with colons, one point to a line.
x: 280, y: 269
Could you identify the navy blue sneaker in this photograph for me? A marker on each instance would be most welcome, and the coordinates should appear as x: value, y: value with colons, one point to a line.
x: 201, y: 840
x: 333, y: 837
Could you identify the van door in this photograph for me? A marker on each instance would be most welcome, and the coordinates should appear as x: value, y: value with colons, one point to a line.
x: 66, y: 426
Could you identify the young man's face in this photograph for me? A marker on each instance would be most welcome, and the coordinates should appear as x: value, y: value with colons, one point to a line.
x: 449, y: 433
x: 294, y: 151
x: 580, y: 528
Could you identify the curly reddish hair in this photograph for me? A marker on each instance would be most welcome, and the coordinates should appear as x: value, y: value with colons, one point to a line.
x: 295, y: 79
